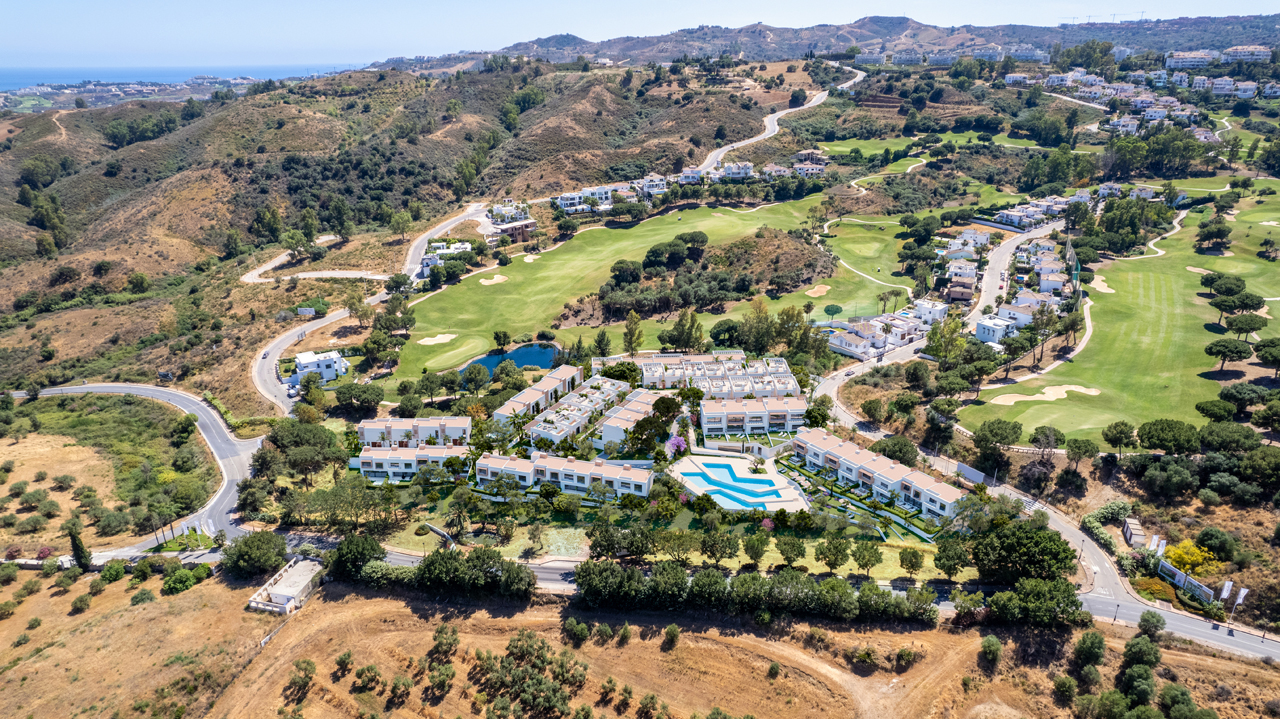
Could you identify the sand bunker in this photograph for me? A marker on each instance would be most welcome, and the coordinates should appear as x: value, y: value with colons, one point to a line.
x: 1100, y: 284
x: 717, y: 214
x: 437, y: 340
x: 1199, y: 270
x: 1048, y: 394
x: 818, y: 290
x: 531, y: 258
x: 1273, y: 223
x: 494, y: 280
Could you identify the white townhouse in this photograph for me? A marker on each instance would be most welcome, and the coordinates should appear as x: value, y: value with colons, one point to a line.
x: 329, y: 365
x: 943, y: 59
x: 1034, y: 300
x: 1127, y: 125
x: 1199, y: 82
x: 752, y: 416
x: 771, y: 171
x: 444, y: 249
x: 567, y: 473
x: 1143, y: 101
x: 1057, y: 80
x: 1015, y: 78
x: 1154, y: 113
x: 1028, y: 53
x: 992, y: 328
x: 1145, y: 193
x: 1181, y: 79
x: 572, y: 203
x: 414, y: 432
x: 1203, y: 134
x: 907, y: 57
x: 576, y: 410
x: 809, y: 169
x: 875, y: 336
x: 870, y: 58
x: 1159, y: 78
x: 430, y: 260
x: 975, y: 238
x: 1016, y: 217
x: 929, y: 311
x: 1089, y: 93
x: 690, y: 176
x: 1185, y: 112
x: 397, y: 464
x: 1272, y: 90
x: 544, y: 393
x: 1053, y: 281
x: 1246, y: 90
x: 738, y: 171
x: 651, y: 185
x: 864, y: 470
x: 1110, y: 189
x: 1247, y: 53
x: 619, y: 419
x: 1120, y: 53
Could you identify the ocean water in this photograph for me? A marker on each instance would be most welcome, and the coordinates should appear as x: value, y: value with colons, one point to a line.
x: 13, y: 78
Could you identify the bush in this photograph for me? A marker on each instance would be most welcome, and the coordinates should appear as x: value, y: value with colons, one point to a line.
x: 253, y: 554
x: 1110, y: 512
x: 81, y: 603
x: 1065, y: 688
x: 991, y: 648
x: 671, y: 635
x: 22, y: 639
x: 179, y: 582
x: 1090, y: 677
x: 97, y: 586
x: 774, y: 670
x: 34, y: 623
x: 142, y: 596
x: 7, y: 609
x: 49, y: 568
x: 113, y: 571
x: 9, y: 572
x: 1151, y: 623
x: 1090, y: 649
x: 201, y: 572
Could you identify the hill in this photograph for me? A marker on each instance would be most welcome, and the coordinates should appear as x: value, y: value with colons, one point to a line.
x: 767, y: 42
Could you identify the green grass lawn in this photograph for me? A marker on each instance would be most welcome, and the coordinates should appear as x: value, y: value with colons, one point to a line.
x: 535, y: 292
x: 1147, y: 350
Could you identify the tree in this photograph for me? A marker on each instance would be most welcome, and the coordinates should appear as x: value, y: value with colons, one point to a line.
x: 1020, y: 550
x: 254, y: 554
x: 1119, y: 435
x: 633, y: 335
x: 792, y: 549
x: 1078, y: 449
x: 1090, y: 649
x: 832, y: 310
x: 866, y: 555
x: 79, y: 552
x: 1151, y: 623
x: 912, y: 561
x: 603, y: 345
x: 1138, y: 684
x: 502, y: 338
x: 475, y: 377
x: 352, y: 553
x: 755, y: 546
x: 898, y: 448
x: 138, y: 283
x: 1169, y: 435
x: 873, y: 410
x: 991, y: 649
x: 833, y: 552
x: 1245, y: 324
x: 400, y: 223
x: 397, y: 284
x: 951, y: 557
x: 719, y: 545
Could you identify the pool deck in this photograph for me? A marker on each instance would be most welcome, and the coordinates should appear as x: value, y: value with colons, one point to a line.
x: 790, y: 498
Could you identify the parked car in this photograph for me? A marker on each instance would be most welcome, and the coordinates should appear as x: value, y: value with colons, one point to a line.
x: 264, y: 354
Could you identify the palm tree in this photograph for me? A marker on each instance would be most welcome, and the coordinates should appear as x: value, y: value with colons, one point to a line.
x: 406, y: 436
x: 458, y: 520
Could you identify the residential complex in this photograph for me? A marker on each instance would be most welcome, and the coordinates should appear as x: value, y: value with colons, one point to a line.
x: 512, y: 220
x: 865, y: 470
x: 401, y: 464
x: 870, y: 337
x: 577, y: 410
x: 417, y: 432
x: 752, y: 416
x: 544, y: 393
x: 569, y: 474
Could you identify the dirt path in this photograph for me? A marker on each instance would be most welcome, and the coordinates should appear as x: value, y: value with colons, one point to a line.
x: 62, y: 131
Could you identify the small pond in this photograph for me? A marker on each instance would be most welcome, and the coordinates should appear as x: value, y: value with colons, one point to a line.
x: 538, y: 354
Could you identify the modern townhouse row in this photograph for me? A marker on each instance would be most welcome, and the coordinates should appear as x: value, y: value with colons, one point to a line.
x: 569, y: 474
x: 542, y: 394
x: 1038, y: 211
x: 578, y: 409
x: 387, y: 432
x: 512, y: 219
x: 601, y: 198
x: 885, y: 478
x: 675, y: 371
x: 752, y: 416
x: 400, y: 464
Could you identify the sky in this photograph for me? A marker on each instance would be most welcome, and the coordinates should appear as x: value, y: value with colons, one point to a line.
x: 137, y: 33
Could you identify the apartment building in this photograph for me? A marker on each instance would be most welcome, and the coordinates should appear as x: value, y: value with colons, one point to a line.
x: 1246, y: 90
x: 907, y: 57
x: 1184, y: 60
x: 1027, y: 53
x: 544, y: 393
x: 752, y: 416
x: 1247, y: 53
x: 864, y: 470
x: 944, y: 59
x: 567, y: 473
x: 738, y: 171
x: 1199, y: 82
x: 1223, y: 86
x: 1181, y: 79
x: 1015, y: 78
x: 651, y: 185
x: 1057, y: 80
x: 808, y: 169
x: 990, y: 53
x: 1127, y: 125
x: 387, y: 432
x: 512, y: 219
x: 397, y: 464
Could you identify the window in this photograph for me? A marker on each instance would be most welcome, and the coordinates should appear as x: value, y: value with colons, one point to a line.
x: 378, y: 465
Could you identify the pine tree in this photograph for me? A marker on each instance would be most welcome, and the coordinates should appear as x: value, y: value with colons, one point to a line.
x: 79, y: 552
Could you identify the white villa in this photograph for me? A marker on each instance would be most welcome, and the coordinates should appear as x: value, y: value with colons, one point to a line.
x: 569, y: 474
x: 619, y: 420
x: 962, y: 268
x: 993, y: 328
x: 329, y: 365
x: 1019, y: 315
x: 875, y: 336
x: 884, y: 478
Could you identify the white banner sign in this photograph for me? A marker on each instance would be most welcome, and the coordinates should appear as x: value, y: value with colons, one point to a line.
x: 1160, y: 549
x: 1226, y: 590
x: 1240, y: 596
x: 1155, y: 539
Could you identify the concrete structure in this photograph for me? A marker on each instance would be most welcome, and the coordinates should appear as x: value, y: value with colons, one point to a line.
x: 569, y: 474
x: 287, y: 590
x: 416, y: 432
x: 329, y: 365
x: 752, y: 416
x: 867, y: 471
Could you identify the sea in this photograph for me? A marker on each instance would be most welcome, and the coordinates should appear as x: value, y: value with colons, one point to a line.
x: 13, y: 78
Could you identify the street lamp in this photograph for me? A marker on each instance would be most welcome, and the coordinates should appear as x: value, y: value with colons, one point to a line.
x: 1117, y: 616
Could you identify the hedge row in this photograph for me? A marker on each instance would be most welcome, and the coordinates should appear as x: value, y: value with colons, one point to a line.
x: 1109, y: 512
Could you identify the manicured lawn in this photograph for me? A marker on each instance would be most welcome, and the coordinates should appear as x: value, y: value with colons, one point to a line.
x: 534, y: 294
x: 877, y: 146
x: 1147, y: 350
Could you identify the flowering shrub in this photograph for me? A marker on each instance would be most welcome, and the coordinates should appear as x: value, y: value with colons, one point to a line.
x: 13, y: 552
x: 767, y: 525
x: 44, y: 552
x: 676, y: 446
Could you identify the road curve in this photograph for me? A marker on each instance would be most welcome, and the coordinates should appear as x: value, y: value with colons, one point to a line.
x: 771, y: 125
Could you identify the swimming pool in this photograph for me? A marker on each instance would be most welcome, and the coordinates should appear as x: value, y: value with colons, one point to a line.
x: 730, y: 490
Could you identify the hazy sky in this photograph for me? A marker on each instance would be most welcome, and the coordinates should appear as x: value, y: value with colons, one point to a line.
x: 66, y: 33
